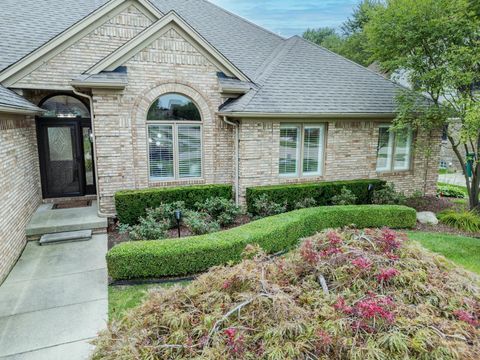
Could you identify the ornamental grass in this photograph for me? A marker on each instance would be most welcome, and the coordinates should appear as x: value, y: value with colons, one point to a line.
x: 350, y: 294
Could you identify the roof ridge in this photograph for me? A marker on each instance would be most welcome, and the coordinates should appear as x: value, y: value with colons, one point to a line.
x: 266, y: 69
x: 244, y: 19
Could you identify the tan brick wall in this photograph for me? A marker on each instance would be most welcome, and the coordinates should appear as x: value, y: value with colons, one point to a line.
x: 350, y: 153
x: 59, y: 71
x: 20, y: 192
x: 170, y: 64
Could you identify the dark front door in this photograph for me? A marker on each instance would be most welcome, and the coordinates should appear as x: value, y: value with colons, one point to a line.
x: 66, y: 158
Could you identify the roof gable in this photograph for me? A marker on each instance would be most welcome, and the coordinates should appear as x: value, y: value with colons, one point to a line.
x: 170, y: 21
x: 73, y: 33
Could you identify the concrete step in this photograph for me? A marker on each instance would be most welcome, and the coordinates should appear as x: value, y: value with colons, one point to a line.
x: 50, y: 239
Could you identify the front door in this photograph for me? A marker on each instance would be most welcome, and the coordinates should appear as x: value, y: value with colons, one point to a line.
x: 66, y: 158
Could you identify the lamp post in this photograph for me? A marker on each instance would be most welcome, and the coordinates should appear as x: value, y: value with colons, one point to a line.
x: 370, y: 192
x: 178, y: 218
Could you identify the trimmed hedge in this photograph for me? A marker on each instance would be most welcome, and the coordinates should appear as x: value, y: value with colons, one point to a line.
x: 322, y: 192
x: 132, y: 204
x: 175, y: 257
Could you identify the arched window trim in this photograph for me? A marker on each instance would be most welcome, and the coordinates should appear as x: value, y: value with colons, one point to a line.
x: 176, y: 164
x: 175, y: 120
x: 51, y: 96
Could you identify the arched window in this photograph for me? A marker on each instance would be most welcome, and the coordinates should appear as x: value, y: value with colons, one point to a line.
x: 174, y: 138
x: 65, y: 106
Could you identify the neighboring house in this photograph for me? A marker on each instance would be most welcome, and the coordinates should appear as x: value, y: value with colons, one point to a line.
x: 137, y: 94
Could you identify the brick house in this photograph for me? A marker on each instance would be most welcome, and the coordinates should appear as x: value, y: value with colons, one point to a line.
x: 98, y: 96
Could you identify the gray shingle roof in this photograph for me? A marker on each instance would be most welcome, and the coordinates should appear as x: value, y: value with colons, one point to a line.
x: 12, y: 100
x: 305, y: 78
x: 25, y: 25
x: 292, y: 76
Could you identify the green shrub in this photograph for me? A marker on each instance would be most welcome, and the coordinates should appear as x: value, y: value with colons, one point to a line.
x: 321, y: 192
x: 463, y: 220
x: 346, y: 197
x: 132, y: 204
x: 263, y: 207
x: 305, y: 203
x: 200, y: 223
x: 149, y: 227
x: 388, y: 196
x: 175, y: 257
x: 166, y: 213
x: 451, y: 191
x: 223, y: 211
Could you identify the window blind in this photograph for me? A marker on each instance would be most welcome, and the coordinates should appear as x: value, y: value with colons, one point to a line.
x: 289, y: 144
x: 312, y: 136
x: 189, y: 151
x: 160, y: 138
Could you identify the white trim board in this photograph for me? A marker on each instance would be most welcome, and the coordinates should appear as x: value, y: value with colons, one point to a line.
x: 20, y: 69
x: 170, y: 21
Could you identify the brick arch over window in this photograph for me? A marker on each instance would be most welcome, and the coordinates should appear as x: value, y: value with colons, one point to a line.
x: 139, y: 130
x: 145, y: 100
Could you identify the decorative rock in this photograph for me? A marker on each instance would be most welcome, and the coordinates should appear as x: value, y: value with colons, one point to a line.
x: 427, y: 217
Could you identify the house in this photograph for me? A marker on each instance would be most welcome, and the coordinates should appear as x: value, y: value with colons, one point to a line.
x: 98, y: 96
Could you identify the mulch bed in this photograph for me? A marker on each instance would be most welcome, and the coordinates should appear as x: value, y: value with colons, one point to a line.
x: 115, y: 238
x: 430, y: 203
x: 444, y: 229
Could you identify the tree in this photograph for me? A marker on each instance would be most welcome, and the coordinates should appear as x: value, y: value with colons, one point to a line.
x: 437, y: 44
x: 352, y: 43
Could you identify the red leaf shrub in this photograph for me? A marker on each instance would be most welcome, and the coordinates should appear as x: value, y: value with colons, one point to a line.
x: 336, y: 297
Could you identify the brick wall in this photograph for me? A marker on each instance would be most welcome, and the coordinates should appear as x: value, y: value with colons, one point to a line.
x: 350, y: 153
x: 168, y: 65
x: 20, y: 191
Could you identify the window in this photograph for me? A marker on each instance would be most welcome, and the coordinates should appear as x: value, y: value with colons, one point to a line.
x: 65, y: 106
x: 301, y: 150
x: 394, y: 149
x: 174, y: 138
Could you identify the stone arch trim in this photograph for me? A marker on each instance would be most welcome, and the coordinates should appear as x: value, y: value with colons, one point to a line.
x: 146, y: 99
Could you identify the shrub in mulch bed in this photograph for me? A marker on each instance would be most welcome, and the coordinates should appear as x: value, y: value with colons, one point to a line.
x: 351, y: 294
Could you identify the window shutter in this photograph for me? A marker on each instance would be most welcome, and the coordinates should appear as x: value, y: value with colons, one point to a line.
x: 160, y: 139
x: 189, y: 151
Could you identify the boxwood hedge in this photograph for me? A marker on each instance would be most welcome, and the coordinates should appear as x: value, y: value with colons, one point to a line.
x: 132, y: 204
x: 322, y: 192
x: 175, y: 257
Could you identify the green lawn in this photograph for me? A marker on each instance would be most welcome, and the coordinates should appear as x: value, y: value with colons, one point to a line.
x: 464, y: 251
x: 122, y: 298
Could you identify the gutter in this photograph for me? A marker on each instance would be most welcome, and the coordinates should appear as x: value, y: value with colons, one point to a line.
x: 94, y: 144
x: 237, y: 157
x: 17, y: 110
x: 308, y: 115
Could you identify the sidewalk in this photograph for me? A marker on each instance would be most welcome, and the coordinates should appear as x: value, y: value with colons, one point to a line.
x: 54, y: 301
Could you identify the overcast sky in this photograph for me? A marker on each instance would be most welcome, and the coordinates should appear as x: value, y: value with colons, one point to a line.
x: 291, y: 17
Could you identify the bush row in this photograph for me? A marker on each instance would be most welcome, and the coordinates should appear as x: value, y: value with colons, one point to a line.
x: 321, y: 192
x: 132, y: 204
x: 176, y: 257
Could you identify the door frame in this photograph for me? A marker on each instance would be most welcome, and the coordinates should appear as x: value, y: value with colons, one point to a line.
x: 42, y: 123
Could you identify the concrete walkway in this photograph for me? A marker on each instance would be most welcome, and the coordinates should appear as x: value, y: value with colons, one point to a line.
x: 453, y: 179
x: 54, y: 301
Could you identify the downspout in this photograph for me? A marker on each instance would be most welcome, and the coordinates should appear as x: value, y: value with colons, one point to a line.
x: 94, y: 145
x: 237, y: 157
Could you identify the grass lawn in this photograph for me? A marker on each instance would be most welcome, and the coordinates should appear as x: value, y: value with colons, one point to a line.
x: 464, y: 251
x: 122, y: 298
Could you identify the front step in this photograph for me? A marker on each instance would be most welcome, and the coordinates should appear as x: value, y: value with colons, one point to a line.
x: 63, y: 237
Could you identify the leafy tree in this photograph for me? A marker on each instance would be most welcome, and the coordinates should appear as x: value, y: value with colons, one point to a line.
x: 352, y: 43
x: 437, y: 44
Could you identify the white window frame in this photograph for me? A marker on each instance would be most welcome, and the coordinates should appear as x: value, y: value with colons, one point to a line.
x: 176, y: 156
x: 390, y: 167
x: 301, y: 150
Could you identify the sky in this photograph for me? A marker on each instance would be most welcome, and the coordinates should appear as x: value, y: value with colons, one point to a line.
x: 291, y: 17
